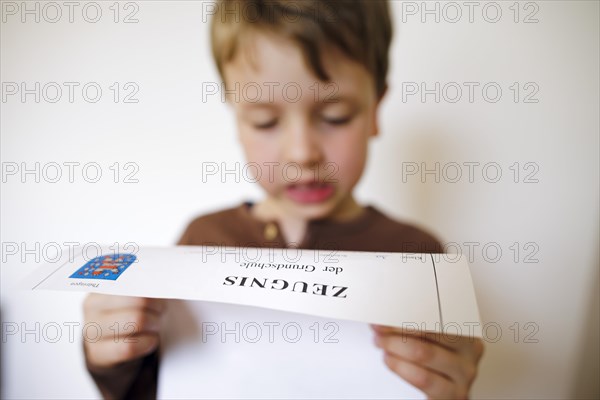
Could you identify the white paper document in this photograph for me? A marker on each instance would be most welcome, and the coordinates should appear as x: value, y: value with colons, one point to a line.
x: 423, y: 291
x: 278, y: 323
x: 226, y: 351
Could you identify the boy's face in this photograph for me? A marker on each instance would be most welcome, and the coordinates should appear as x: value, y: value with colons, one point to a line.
x: 308, y: 139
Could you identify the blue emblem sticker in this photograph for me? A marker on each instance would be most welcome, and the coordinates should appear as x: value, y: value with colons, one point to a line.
x: 107, y: 267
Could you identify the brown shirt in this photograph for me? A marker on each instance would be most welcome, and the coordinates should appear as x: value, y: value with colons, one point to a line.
x: 370, y: 231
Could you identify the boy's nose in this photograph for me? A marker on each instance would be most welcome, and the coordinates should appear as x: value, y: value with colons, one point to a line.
x: 302, y: 146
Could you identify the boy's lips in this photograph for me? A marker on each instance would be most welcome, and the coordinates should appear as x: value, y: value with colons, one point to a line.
x: 309, y: 192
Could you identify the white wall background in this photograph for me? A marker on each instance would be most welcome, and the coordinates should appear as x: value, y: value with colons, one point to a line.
x: 170, y: 132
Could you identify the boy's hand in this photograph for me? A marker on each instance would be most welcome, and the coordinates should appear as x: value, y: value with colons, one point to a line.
x: 128, y: 328
x: 442, y: 366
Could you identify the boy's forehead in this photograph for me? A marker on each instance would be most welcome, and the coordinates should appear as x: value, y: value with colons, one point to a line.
x: 275, y: 62
x: 261, y: 55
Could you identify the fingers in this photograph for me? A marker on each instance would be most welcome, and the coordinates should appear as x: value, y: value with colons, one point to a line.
x: 434, y: 385
x: 104, y: 303
x: 107, y: 353
x: 128, y: 322
x: 443, y: 366
x: 127, y: 328
x: 427, y: 355
x: 463, y: 344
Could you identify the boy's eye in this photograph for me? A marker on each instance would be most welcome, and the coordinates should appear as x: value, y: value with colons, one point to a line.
x: 266, y: 125
x: 337, y: 121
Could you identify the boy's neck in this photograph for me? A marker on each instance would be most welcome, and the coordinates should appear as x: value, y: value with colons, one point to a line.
x: 293, y: 228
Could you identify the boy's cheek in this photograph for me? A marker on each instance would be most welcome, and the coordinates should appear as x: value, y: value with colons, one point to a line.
x: 268, y: 185
x: 347, y: 165
x: 261, y: 156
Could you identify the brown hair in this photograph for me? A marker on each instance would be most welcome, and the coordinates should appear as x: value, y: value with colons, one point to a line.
x: 361, y: 29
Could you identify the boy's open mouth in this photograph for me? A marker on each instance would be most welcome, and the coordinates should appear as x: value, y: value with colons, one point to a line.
x: 309, y: 192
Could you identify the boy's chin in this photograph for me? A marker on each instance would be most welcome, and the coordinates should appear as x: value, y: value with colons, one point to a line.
x: 312, y: 211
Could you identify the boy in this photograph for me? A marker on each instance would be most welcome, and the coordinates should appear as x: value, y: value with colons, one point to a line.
x: 321, y: 67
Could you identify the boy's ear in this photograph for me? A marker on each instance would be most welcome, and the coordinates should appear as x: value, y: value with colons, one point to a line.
x: 375, y: 127
x: 385, y: 89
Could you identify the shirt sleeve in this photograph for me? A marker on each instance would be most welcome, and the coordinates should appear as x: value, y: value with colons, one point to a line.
x: 133, y: 379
